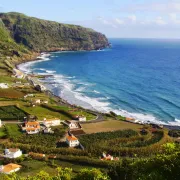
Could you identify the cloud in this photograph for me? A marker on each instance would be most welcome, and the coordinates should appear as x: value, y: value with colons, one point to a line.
x: 159, y: 21
x: 163, y: 7
x: 119, y: 21
x: 107, y: 22
x: 174, y: 19
x: 132, y: 18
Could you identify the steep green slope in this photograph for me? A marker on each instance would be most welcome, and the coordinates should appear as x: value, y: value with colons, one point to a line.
x: 41, y: 35
x: 8, y: 47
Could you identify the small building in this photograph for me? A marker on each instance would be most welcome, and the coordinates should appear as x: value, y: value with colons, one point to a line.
x: 0, y: 123
x: 48, y: 131
x: 37, y: 155
x: 29, y: 95
x: 80, y: 118
x: 31, y: 127
x: 73, y: 124
x: 12, y: 153
x: 37, y: 101
x: 45, y: 102
x: 72, y: 141
x: 108, y: 157
x: 4, y: 86
x: 51, y: 122
x: 9, y: 168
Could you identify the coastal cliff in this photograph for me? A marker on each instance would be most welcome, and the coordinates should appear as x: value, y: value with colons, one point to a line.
x: 40, y: 35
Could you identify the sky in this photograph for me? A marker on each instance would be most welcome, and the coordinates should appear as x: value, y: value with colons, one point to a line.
x: 114, y: 18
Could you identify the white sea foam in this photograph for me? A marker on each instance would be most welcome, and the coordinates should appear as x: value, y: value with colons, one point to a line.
x: 80, y: 89
x: 66, y: 87
x: 175, y: 123
x: 97, y: 92
x: 50, y: 72
x: 27, y: 67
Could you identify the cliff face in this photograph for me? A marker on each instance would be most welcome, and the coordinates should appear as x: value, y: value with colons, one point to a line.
x: 41, y: 35
x: 8, y: 47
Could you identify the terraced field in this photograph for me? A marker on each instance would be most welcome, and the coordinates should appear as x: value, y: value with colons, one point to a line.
x: 126, y: 143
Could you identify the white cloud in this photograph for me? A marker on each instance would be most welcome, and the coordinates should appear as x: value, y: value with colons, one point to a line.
x: 107, y: 22
x: 174, y: 19
x: 132, y: 18
x: 163, y: 7
x: 119, y: 21
x: 159, y: 21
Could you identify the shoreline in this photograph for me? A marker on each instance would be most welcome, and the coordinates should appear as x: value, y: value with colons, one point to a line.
x: 65, y: 102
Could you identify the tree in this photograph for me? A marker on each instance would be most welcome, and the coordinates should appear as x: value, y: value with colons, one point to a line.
x: 93, y: 174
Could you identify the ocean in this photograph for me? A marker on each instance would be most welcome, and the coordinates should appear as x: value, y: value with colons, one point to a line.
x: 138, y: 78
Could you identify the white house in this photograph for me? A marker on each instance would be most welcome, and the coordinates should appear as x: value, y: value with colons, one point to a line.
x: 72, y: 125
x: 48, y: 131
x: 12, y: 153
x: 0, y: 123
x: 4, y: 86
x: 9, y: 168
x: 45, y: 102
x: 37, y: 101
x: 72, y: 141
x: 29, y: 95
x: 32, y: 127
x: 51, y: 122
x: 81, y: 118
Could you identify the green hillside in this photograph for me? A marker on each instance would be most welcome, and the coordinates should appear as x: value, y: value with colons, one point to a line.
x: 41, y: 35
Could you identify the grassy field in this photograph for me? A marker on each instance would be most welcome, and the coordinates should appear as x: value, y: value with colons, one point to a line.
x: 33, y: 167
x: 2, y: 132
x: 76, y: 111
x: 11, y: 93
x: 12, y: 130
x: 109, y: 125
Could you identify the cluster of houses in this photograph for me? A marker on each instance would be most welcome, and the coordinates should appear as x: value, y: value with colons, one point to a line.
x: 38, y: 102
x: 11, y: 154
x: 33, y: 127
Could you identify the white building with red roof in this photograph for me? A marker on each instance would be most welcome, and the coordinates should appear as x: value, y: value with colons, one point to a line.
x: 72, y: 141
x: 12, y: 153
x: 9, y: 168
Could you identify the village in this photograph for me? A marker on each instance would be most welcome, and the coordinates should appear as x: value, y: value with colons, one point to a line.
x: 29, y: 112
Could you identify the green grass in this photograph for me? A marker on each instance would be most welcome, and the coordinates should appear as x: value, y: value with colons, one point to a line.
x: 76, y: 111
x: 12, y: 130
x: 2, y: 132
x: 33, y: 167
x: 42, y: 113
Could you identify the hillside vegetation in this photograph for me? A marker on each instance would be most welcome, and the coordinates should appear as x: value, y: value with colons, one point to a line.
x: 41, y: 35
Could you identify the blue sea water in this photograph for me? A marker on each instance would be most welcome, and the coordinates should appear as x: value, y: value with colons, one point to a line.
x: 137, y: 78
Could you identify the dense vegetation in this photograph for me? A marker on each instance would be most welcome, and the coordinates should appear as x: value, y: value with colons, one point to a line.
x: 11, y: 113
x: 41, y: 35
x: 127, y: 143
x: 160, y: 167
x: 174, y: 133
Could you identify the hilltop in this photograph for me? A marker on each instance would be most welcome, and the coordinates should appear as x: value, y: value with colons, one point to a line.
x: 42, y: 35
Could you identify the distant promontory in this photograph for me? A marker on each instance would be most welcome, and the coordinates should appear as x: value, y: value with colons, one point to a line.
x: 41, y: 35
